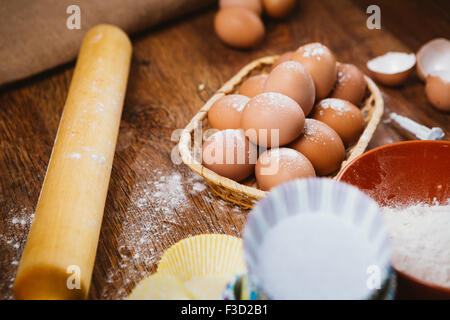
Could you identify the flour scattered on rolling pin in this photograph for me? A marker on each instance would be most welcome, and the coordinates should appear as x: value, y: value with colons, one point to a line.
x: 75, y: 155
x: 420, y: 131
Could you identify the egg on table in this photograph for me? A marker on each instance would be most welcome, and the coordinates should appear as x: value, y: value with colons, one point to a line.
x: 252, y: 5
x: 278, y: 8
x: 279, y: 165
x: 438, y: 89
x: 342, y: 116
x: 239, y: 27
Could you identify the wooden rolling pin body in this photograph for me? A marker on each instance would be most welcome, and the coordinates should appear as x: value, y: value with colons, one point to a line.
x: 59, y: 254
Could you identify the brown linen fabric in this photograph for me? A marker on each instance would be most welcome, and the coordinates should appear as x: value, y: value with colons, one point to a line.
x: 34, y: 36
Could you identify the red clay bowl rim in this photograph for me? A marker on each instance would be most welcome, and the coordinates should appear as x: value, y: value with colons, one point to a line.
x: 389, y: 146
x: 407, y: 276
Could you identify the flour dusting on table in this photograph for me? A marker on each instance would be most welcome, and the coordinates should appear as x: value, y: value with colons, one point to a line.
x: 166, y: 196
x: 21, y: 222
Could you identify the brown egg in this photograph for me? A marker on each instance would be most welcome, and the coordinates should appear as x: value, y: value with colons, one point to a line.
x: 278, y: 8
x: 239, y: 27
x: 321, y: 64
x: 438, y: 89
x: 226, y: 112
x: 253, y: 5
x: 293, y: 80
x: 272, y: 119
x: 253, y: 85
x: 321, y: 145
x: 287, y: 56
x: 276, y: 166
x: 342, y: 116
x: 392, y: 68
x: 350, y: 84
x: 229, y: 154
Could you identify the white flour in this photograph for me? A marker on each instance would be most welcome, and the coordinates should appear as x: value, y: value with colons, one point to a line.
x: 165, y: 195
x: 421, y: 240
x: 18, y: 225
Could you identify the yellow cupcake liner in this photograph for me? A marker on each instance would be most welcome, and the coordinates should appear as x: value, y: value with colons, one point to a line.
x: 206, y: 254
x: 198, y: 267
x: 160, y: 287
x: 207, y: 287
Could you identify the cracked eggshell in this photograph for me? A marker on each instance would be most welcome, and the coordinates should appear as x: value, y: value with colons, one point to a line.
x: 433, y: 56
x: 438, y: 90
x: 392, y: 68
x: 321, y: 64
x: 239, y: 27
x: 293, y: 80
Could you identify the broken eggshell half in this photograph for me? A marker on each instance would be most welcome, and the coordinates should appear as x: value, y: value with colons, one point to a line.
x: 433, y: 56
x: 393, y: 68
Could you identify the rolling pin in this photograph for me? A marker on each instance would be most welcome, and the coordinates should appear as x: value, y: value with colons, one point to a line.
x: 59, y: 254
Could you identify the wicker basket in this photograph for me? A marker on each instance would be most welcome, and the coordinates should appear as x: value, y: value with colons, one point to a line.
x: 246, y: 192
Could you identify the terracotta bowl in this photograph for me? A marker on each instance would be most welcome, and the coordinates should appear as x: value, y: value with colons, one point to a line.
x: 402, y: 174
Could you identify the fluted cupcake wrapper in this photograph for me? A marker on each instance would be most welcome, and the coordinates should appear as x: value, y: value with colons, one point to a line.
x: 317, y: 195
x: 206, y: 254
x: 198, y: 267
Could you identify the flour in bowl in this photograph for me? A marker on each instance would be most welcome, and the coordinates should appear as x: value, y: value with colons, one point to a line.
x: 421, y: 240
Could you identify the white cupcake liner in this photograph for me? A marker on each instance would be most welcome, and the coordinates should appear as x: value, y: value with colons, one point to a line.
x: 311, y: 196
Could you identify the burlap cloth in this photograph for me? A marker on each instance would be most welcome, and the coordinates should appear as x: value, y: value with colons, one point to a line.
x: 34, y: 36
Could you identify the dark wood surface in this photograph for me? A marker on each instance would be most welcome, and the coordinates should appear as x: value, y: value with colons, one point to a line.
x: 152, y: 202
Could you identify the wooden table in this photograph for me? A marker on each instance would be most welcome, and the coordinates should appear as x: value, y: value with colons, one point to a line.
x: 152, y: 202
